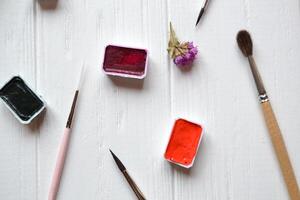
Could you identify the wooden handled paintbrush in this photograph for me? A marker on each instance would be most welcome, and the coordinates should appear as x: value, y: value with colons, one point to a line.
x: 245, y: 44
x: 132, y: 184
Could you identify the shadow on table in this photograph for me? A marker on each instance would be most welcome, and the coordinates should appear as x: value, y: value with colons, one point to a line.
x: 127, y: 82
x: 48, y: 4
x: 186, y: 69
x: 36, y: 123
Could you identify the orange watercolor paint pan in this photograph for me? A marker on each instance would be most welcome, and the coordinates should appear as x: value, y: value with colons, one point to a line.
x: 184, y: 143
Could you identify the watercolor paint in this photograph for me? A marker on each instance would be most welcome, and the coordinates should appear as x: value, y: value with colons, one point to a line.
x: 21, y: 100
x: 184, y: 143
x: 125, y: 61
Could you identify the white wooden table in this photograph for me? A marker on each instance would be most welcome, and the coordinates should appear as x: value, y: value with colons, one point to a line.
x: 236, y: 159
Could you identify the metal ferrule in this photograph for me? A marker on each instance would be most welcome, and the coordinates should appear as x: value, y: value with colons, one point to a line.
x: 70, y: 118
x: 263, y: 98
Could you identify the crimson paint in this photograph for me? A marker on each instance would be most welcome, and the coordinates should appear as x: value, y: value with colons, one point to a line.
x: 125, y: 61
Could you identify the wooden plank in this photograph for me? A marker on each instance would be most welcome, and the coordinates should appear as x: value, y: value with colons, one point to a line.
x: 116, y: 113
x: 236, y: 159
x: 133, y: 118
x: 59, y: 49
x: 277, y: 56
x: 17, y: 142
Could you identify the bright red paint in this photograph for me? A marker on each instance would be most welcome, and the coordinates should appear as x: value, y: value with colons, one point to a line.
x: 184, y: 142
x: 124, y: 60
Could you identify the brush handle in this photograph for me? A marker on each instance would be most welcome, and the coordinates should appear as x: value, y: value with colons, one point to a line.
x: 134, y: 187
x: 59, y: 164
x: 281, y: 151
x: 205, y: 4
x: 257, y: 78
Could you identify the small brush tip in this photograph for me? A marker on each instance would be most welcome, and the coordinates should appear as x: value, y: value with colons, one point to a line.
x: 81, y: 77
x: 199, y: 16
x: 245, y: 42
x: 112, y: 153
x: 118, y: 162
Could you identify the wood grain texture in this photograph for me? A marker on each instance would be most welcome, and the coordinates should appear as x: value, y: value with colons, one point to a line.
x: 281, y: 152
x: 18, y: 175
x: 133, y: 118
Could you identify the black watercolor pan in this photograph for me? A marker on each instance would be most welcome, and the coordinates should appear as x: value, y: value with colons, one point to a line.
x: 21, y: 100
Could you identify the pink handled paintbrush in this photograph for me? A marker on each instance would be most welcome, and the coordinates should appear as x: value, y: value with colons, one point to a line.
x: 64, y: 146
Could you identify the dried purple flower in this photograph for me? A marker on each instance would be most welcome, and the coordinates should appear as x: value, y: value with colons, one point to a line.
x: 181, y: 53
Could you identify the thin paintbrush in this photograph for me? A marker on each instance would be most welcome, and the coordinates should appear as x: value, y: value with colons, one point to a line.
x: 203, y: 9
x: 132, y: 184
x: 245, y: 44
x: 64, y: 146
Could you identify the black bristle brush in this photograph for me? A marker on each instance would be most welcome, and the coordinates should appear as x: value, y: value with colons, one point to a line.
x: 131, y: 182
x: 203, y: 9
x: 246, y: 46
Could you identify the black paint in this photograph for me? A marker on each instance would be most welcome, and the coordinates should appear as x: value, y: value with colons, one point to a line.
x: 21, y: 99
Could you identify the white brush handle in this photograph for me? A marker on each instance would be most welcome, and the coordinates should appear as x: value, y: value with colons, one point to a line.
x: 59, y: 164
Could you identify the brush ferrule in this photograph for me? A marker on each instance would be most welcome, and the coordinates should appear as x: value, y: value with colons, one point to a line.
x: 70, y: 118
x: 263, y: 98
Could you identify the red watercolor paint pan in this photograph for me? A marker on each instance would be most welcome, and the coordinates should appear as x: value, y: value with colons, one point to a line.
x: 125, y: 61
x: 184, y: 143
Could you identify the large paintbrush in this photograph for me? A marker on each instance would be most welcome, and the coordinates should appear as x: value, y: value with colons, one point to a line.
x: 63, y: 148
x: 245, y: 44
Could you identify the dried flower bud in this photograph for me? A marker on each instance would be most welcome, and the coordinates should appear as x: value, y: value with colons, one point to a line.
x: 181, y: 53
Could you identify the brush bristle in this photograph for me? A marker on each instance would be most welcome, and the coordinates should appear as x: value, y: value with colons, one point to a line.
x: 81, y: 77
x: 245, y: 43
x: 118, y: 161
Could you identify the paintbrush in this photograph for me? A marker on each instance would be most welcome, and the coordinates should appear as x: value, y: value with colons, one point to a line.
x: 132, y: 184
x: 203, y: 9
x: 245, y: 44
x: 64, y: 145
